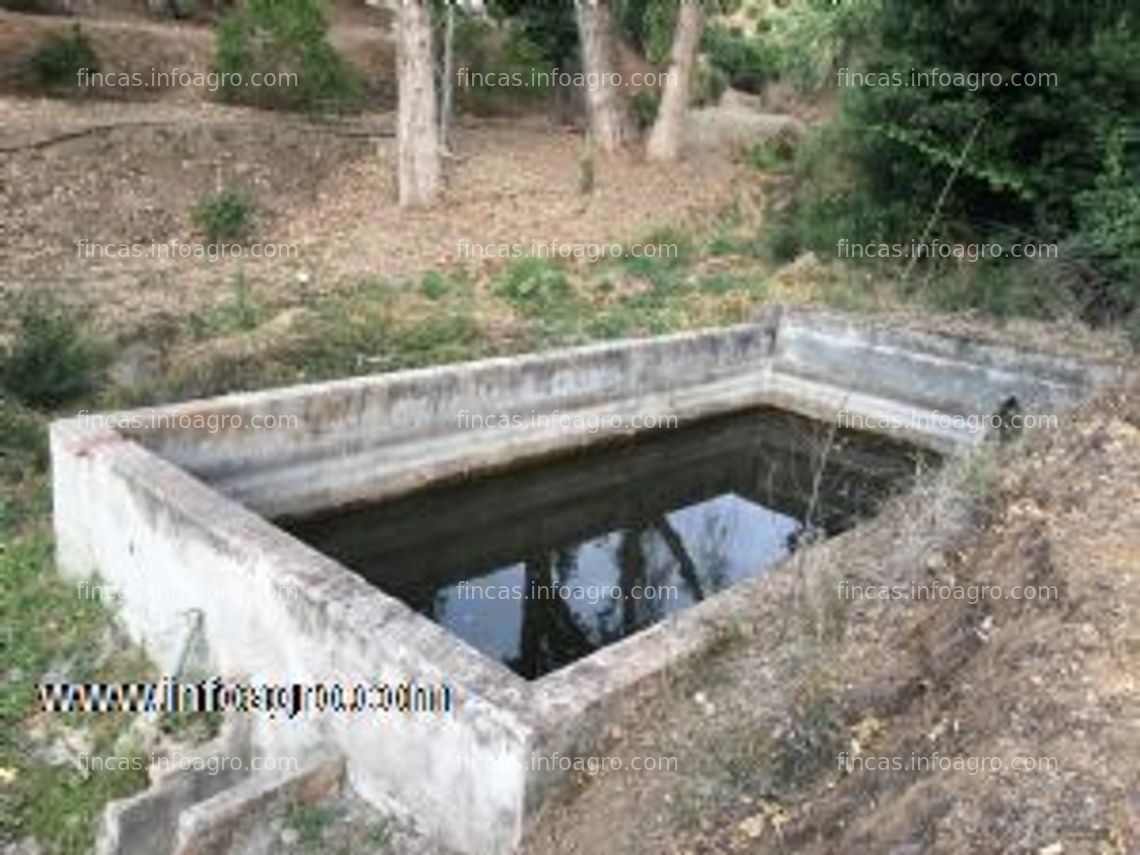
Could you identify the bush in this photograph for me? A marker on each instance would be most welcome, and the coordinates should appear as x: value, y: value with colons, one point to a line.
x: 283, y: 37
x: 50, y: 361
x: 1108, y: 236
x: 1050, y: 163
x: 775, y: 152
x: 643, y: 106
x: 59, y: 58
x: 745, y: 62
x: 494, y: 54
x: 1039, y: 146
x: 532, y: 284
x: 222, y: 217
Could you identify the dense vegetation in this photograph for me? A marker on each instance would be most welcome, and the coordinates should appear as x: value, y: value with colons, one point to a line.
x: 283, y: 36
x: 986, y: 162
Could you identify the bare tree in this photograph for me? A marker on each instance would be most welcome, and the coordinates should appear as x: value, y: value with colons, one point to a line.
x: 610, y: 125
x: 668, y: 128
x: 419, y: 169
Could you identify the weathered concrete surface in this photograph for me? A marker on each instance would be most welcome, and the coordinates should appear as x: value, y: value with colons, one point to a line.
x: 147, y: 823
x: 175, y: 518
x: 211, y: 826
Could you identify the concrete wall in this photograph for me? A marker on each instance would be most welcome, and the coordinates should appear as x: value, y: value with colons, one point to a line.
x: 171, y: 546
x: 170, y: 516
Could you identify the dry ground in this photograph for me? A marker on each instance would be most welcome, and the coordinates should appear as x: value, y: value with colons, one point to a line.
x: 325, y: 191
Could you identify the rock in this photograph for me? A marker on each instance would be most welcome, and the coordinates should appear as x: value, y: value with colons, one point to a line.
x: 753, y: 827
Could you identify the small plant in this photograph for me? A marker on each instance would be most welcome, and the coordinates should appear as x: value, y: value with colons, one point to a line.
x: 58, y: 60
x: 244, y: 312
x: 51, y: 361
x: 643, y: 106
x: 310, y: 823
x: 777, y: 152
x: 532, y: 284
x: 435, y: 285
x: 745, y: 62
x: 223, y: 216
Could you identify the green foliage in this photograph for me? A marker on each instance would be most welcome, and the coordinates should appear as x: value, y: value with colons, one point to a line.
x: 811, y: 39
x: 23, y: 451
x: 827, y: 200
x: 532, y: 285
x: 42, y: 624
x: 746, y: 62
x: 1049, y: 162
x: 51, y: 361
x: 58, y: 59
x: 495, y: 64
x: 670, y: 254
x: 643, y: 107
x: 223, y: 216
x: 283, y: 37
x: 1039, y: 146
x: 550, y: 27
x: 240, y: 313
x: 436, y: 285
x: 1108, y: 233
x: 775, y: 152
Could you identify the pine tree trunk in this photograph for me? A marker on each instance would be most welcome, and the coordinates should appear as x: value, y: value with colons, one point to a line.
x: 669, y: 127
x: 419, y: 169
x: 610, y: 125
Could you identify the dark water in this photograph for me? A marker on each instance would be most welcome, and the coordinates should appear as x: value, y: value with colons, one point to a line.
x: 542, y: 565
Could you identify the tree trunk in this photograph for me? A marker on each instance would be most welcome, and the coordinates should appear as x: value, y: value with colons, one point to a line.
x: 610, y: 125
x: 447, y: 95
x: 669, y: 126
x: 419, y: 169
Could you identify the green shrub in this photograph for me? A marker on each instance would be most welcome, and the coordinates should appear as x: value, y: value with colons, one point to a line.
x: 490, y: 56
x: 1039, y: 146
x: 283, y: 37
x: 532, y: 284
x: 60, y: 57
x: 50, y: 361
x: 643, y: 107
x: 811, y: 39
x: 23, y: 449
x: 1108, y: 235
x: 746, y: 62
x: 222, y: 217
x: 550, y: 27
x: 435, y: 285
x: 1052, y: 163
x: 775, y: 152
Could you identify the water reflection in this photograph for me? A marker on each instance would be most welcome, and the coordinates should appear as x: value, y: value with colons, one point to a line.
x: 544, y: 565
